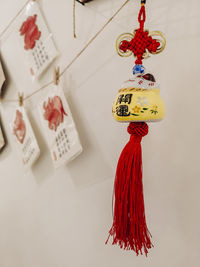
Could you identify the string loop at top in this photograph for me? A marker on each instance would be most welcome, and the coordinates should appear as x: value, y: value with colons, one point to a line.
x: 142, y: 16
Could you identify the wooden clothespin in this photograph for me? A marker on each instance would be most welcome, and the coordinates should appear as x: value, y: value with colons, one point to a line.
x: 56, y: 75
x: 21, y: 99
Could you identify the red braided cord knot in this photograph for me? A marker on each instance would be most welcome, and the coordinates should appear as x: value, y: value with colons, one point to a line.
x: 141, y: 42
x: 137, y: 130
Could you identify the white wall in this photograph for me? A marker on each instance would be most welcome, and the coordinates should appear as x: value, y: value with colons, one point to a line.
x: 61, y: 218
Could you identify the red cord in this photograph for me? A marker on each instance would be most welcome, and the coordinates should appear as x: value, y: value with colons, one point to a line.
x: 142, y: 17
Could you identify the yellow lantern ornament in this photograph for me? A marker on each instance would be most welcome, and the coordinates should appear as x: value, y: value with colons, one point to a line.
x: 137, y: 102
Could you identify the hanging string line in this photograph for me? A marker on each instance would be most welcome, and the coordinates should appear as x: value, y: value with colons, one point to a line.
x: 93, y: 38
x: 74, y: 18
x: 15, y: 17
x: 76, y: 57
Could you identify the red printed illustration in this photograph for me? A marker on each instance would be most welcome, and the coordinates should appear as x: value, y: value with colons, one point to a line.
x: 54, y: 112
x: 19, y: 129
x: 30, y: 31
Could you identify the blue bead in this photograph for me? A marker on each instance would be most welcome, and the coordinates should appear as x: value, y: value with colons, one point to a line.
x: 138, y: 69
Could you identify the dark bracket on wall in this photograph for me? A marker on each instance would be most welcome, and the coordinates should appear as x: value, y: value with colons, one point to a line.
x: 84, y: 2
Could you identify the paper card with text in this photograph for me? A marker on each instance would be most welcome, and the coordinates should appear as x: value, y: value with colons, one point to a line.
x: 36, y: 40
x: 59, y: 128
x: 24, y: 138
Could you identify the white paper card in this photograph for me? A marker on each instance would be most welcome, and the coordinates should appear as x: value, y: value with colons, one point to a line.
x: 36, y: 40
x: 24, y: 138
x: 59, y: 128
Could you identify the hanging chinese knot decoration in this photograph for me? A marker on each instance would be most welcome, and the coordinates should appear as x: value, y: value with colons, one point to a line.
x: 138, y: 102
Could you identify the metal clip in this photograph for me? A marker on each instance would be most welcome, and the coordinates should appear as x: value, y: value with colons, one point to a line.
x: 21, y: 99
x: 57, y: 75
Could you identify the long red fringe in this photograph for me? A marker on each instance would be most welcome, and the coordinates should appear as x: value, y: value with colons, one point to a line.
x: 129, y: 229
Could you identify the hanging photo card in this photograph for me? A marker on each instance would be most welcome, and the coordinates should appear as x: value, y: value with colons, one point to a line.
x: 36, y: 40
x: 2, y: 78
x: 24, y: 138
x: 2, y: 140
x: 59, y: 128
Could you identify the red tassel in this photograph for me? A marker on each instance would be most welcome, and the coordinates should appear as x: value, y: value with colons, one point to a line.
x: 129, y: 229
